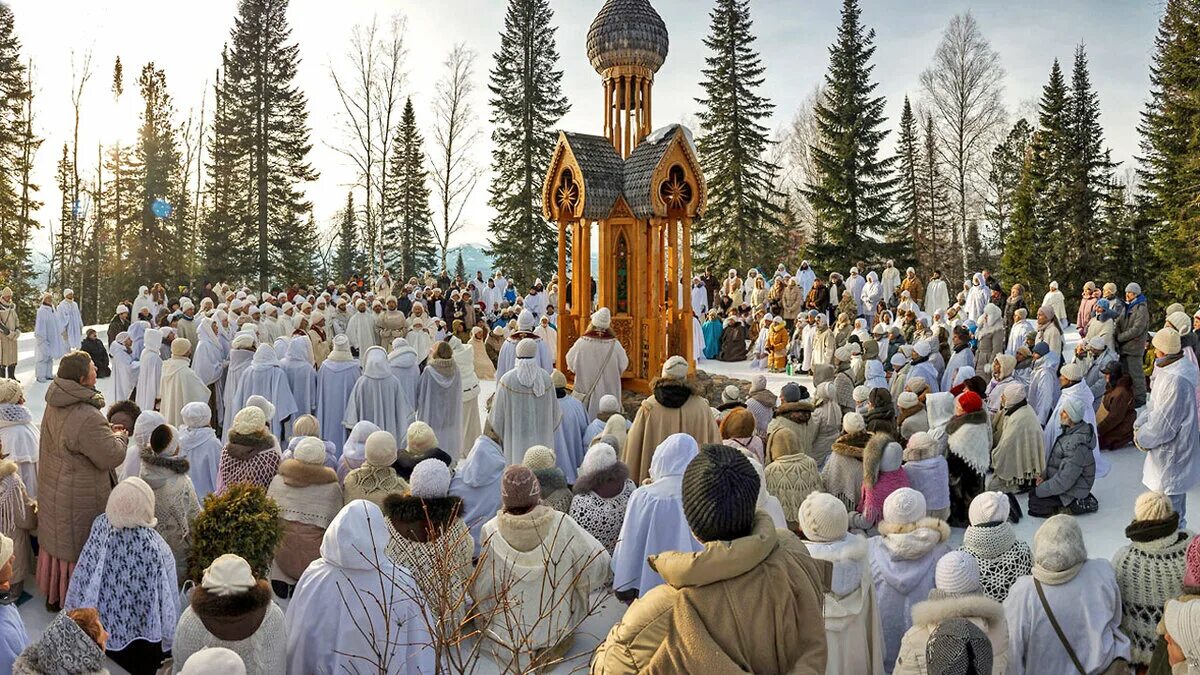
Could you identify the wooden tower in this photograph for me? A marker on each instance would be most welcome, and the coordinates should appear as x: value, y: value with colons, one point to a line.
x: 637, y: 193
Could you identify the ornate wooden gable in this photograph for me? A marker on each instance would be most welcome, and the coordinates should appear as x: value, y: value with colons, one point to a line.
x: 584, y: 179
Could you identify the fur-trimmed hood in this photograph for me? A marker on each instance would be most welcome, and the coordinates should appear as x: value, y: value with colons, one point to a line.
x: 799, y: 412
x: 942, y: 606
x: 959, y: 421
x: 171, y: 464
x: 872, y: 457
x: 422, y: 519
x: 608, y: 480
x: 243, y: 447
x: 301, y: 474
x: 232, y: 617
x: 527, y: 531
x: 672, y: 393
x: 7, y: 468
x: 853, y: 549
x: 913, y: 540
x: 852, y: 445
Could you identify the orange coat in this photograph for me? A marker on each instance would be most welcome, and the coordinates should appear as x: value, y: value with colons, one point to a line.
x: 777, y: 345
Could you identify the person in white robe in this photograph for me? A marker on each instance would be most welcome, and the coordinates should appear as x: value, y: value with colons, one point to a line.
x: 1044, y: 387
x: 654, y: 520
x: 924, y: 368
x: 855, y: 284
x: 241, y: 353
x: 699, y: 297
x: 48, y: 340
x: 124, y: 368
x: 890, y: 280
x: 805, y: 278
x: 143, y: 301
x: 977, y: 299
x: 1074, y: 387
x: 378, y: 398
x: 361, y: 330
x: 302, y: 378
x: 597, y: 358
x: 209, y: 363
x: 937, y: 294
x: 1021, y: 328
x: 353, y: 609
x: 420, y: 332
x: 336, y: 380
x: 525, y: 411
x: 549, y: 336
x: 1054, y: 300
x: 872, y: 294
x: 406, y: 367
x: 1168, y: 431
x: 71, y: 320
x: 439, y: 399
x: 525, y: 325
x: 150, y: 370
x: 464, y: 358
x: 198, y: 442
x: 962, y: 356
x: 20, y: 440
x: 570, y: 438
x: 180, y: 385
x: 264, y: 377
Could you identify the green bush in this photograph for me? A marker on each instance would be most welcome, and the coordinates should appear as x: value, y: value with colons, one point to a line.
x: 243, y: 521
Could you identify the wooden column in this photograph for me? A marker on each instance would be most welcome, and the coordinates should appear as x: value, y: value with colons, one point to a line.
x: 562, y: 291
x: 685, y: 246
x: 628, y: 115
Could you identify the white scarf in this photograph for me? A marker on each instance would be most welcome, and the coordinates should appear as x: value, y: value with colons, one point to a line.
x: 529, y: 373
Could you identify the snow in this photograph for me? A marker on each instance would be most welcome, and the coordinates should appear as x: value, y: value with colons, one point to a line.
x: 1104, y: 531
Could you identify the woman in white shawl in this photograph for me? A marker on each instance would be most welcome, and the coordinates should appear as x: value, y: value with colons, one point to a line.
x: 1043, y: 383
x: 301, y: 376
x: 1049, y: 330
x: 180, y: 385
x: 549, y: 335
x: 150, y: 370
x: 937, y: 294
x: 464, y: 358
x: 939, y: 408
x: 420, y: 331
x: 353, y: 608
x: 48, y: 336
x: 209, y: 362
x: 1054, y: 300
x: 872, y: 293
x: 124, y: 368
x: 71, y: 320
x: 137, y: 333
x: 266, y: 378
x: 525, y: 411
x: 477, y: 483
x: 439, y: 399
x: 654, y: 520
x: 1021, y: 328
x: 977, y: 298
x: 143, y: 301
x: 378, y: 397
x: 404, y: 362
x: 354, y: 450
x: 198, y: 442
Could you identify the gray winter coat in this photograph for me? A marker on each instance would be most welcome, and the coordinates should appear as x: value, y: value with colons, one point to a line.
x: 1131, y: 330
x: 1071, y: 467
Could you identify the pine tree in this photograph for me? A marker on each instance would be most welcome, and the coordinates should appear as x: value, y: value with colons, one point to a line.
x: 909, y: 187
x: 743, y: 224
x: 1089, y: 175
x: 270, y: 122
x: 122, y: 217
x: 347, y: 258
x: 17, y: 147
x: 1008, y: 159
x: 853, y: 186
x: 408, y: 233
x: 460, y: 268
x: 527, y: 102
x: 942, y: 249
x: 158, y: 253
x: 226, y: 239
x: 1170, y: 170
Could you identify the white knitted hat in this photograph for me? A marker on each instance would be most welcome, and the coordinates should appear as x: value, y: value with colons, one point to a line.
x: 526, y: 349
x: 214, y: 661
x: 6, y: 550
x: 420, y: 437
x: 852, y: 423
x: 823, y: 517
x: 196, y: 414
x: 899, y: 360
x: 228, y: 575
x: 1182, y: 621
x: 759, y: 383
x: 380, y: 449
x: 540, y: 457
x: 598, y: 458
x: 861, y: 393
x: 907, y: 400
x: 1072, y: 371
x: 262, y: 404
x: 1074, y: 408
x: 988, y: 507
x: 609, y: 404
x: 675, y: 368
x: 310, y: 450
x: 430, y: 479
x: 731, y: 393
x: 957, y: 573
x: 1152, y: 505
x: 904, y: 506
x: 131, y: 504
x: 249, y: 420
x: 602, y: 318
x: 1166, y: 341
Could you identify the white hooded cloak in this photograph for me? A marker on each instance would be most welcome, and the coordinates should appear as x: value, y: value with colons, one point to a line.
x: 150, y: 370
x: 266, y: 378
x: 377, y: 397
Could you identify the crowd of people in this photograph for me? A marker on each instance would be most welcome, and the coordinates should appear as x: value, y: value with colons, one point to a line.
x: 393, y: 519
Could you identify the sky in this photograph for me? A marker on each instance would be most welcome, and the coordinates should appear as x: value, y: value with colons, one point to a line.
x: 185, y: 38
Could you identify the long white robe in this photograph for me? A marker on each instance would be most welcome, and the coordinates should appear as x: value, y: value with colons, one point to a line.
x: 439, y: 404
x: 405, y: 367
x: 523, y: 418
x: 977, y: 299
x: 805, y: 277
x: 72, y: 323
x: 890, y: 281
x: 855, y: 284
x: 239, y: 361
x: 354, y: 607
x: 335, y: 382
x: 508, y: 353
x: 301, y: 377
x: 597, y: 363
x: 203, y: 451
x: 124, y: 371
x: 265, y: 378
x: 377, y: 397
x: 361, y: 332
x: 959, y: 359
x: 1017, y: 334
x: 1169, y: 431
x: 464, y: 358
x: 1044, y: 387
x: 419, y: 337
x: 1054, y: 300
x: 570, y: 438
x: 937, y: 296
x: 1080, y: 392
x: 48, y: 344
x: 179, y: 386
x: 150, y: 370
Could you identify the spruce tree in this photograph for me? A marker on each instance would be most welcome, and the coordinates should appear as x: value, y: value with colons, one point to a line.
x: 941, y: 250
x: 909, y: 188
x: 225, y: 239
x: 1008, y: 159
x: 17, y: 147
x: 158, y: 253
x: 123, y: 215
x: 460, y: 268
x: 270, y: 123
x: 1170, y: 170
x: 408, y: 234
x: 347, y: 258
x: 527, y: 102
x: 1089, y: 174
x: 852, y: 190
x: 742, y: 225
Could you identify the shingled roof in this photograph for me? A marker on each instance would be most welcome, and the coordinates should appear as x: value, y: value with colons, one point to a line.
x: 639, y: 170
x: 602, y: 173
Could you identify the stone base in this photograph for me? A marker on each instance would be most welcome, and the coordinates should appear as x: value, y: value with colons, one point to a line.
x: 706, y: 384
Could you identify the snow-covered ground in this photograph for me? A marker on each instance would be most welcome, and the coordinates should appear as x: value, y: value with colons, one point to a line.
x: 1103, y: 531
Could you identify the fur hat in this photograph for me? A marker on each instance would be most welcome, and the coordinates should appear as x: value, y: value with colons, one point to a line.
x: 602, y: 318
x: 823, y: 517
x: 1152, y: 505
x: 181, y: 347
x: 249, y: 421
x: 1058, y: 546
x: 970, y: 402
x: 957, y: 573
x: 519, y: 488
x: 1165, y: 340
x: 720, y: 494
x: 163, y: 440
x: 852, y: 423
x: 527, y: 348
x: 1072, y: 371
x: 675, y: 368
x: 310, y: 450
x: 74, y: 366
x: 958, y: 647
x: 131, y: 504
x: 10, y: 391
x: 540, y: 457
x: 380, y: 449
x: 609, y: 404
x: 598, y: 458
x: 904, y: 506
x: 907, y: 400
x: 988, y: 507
x: 196, y: 414
x: 228, y: 575
x: 430, y: 478
x: 739, y: 423
x: 212, y: 660
x: 420, y: 437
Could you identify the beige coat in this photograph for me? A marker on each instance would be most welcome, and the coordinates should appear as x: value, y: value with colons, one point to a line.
x: 928, y: 615
x: 78, y: 454
x: 690, y: 625
x: 8, y: 343
x: 655, y: 420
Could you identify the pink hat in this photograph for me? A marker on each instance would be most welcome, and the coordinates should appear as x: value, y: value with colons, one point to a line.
x: 1191, y: 573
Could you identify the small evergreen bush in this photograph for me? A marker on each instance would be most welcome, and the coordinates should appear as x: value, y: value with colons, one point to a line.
x: 243, y: 521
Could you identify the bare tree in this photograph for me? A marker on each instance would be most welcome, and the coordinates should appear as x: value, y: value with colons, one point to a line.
x: 372, y: 99
x: 80, y: 74
x: 453, y: 172
x: 963, y: 88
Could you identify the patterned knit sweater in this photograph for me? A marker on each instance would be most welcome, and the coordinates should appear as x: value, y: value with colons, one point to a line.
x: 790, y: 479
x: 1002, y: 557
x: 1149, y: 573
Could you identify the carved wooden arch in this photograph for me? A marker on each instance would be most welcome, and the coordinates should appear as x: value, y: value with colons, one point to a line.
x: 679, y: 175
x: 563, y: 193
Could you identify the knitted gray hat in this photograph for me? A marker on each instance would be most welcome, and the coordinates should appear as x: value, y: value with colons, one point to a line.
x: 720, y: 494
x: 958, y: 647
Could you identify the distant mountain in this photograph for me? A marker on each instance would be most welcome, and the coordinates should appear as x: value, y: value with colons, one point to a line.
x: 475, y: 259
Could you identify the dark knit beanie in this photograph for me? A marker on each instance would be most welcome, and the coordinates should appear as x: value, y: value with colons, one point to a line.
x: 958, y: 647
x: 793, y: 393
x: 74, y: 366
x: 519, y: 488
x: 720, y: 494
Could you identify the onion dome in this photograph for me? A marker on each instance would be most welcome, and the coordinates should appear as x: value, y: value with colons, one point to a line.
x: 627, y: 33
